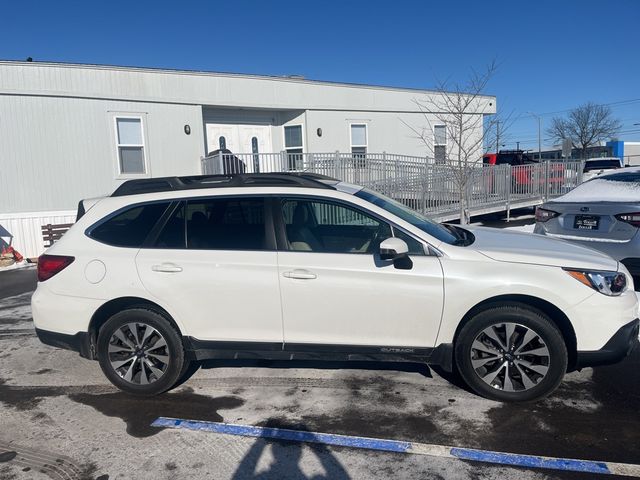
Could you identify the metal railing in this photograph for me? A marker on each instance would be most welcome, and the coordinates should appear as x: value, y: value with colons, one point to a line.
x: 439, y: 190
x: 349, y: 167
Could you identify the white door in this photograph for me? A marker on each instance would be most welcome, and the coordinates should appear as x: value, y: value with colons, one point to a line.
x: 335, y: 290
x: 257, y: 139
x: 224, y: 285
x: 247, y: 141
x: 262, y: 135
x: 221, y: 136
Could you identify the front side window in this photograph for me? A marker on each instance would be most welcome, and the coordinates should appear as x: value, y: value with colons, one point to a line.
x: 415, y: 247
x: 434, y: 229
x: 293, y: 146
x: 328, y: 227
x: 130, y: 227
x: 130, y: 145
x: 440, y: 143
x: 226, y: 224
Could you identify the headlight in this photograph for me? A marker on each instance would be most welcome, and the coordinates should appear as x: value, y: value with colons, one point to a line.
x: 608, y: 283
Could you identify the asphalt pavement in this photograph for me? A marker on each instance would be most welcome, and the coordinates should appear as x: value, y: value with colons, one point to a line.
x: 60, y: 418
x: 15, y: 282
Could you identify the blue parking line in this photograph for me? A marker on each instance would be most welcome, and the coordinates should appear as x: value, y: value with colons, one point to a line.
x: 397, y: 446
x: 286, y: 434
x: 530, y: 461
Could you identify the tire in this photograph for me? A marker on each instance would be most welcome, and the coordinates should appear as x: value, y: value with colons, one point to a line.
x: 530, y: 368
x: 147, y: 362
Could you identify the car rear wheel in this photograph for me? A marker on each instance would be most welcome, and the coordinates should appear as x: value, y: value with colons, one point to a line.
x: 511, y: 353
x: 140, y: 352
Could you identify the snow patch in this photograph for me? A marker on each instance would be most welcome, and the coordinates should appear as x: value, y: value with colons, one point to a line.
x: 601, y: 190
x: 522, y: 228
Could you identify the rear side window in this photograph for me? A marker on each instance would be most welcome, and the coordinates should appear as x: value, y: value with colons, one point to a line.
x: 130, y: 227
x: 226, y: 224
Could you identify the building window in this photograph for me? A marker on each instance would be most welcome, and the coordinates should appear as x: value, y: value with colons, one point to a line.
x: 440, y: 143
x: 130, y: 143
x: 293, y: 145
x: 359, y: 143
x: 358, y: 139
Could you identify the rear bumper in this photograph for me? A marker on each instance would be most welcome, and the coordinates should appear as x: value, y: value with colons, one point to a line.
x: 617, y: 348
x: 80, y: 342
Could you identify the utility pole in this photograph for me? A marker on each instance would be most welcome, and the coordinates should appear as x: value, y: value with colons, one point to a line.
x: 497, y: 136
x: 539, y: 134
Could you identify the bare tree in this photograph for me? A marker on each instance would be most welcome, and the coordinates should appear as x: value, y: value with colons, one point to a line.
x: 459, y: 110
x: 586, y: 125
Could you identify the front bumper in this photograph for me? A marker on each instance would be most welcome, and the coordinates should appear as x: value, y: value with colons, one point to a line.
x: 80, y: 342
x: 617, y: 348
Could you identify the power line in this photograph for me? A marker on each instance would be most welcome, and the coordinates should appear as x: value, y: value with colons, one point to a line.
x: 619, y: 102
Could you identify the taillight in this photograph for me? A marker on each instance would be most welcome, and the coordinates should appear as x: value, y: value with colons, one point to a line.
x: 630, y: 218
x: 50, y: 265
x: 542, y: 214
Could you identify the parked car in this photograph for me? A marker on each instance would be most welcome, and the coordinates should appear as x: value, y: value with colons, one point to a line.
x: 603, y: 213
x: 167, y: 271
x: 526, y: 172
x: 597, y: 166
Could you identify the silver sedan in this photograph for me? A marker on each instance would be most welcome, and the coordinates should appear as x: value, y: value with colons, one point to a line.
x: 603, y: 213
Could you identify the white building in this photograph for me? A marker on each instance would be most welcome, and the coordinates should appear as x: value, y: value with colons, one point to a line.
x: 75, y: 131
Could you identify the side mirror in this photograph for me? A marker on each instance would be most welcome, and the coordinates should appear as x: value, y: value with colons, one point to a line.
x: 393, y: 249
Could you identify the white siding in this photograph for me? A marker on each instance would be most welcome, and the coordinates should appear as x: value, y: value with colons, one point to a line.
x: 56, y: 151
x: 200, y: 88
x: 27, y: 232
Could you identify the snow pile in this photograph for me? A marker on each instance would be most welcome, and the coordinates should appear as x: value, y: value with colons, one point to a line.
x: 601, y: 190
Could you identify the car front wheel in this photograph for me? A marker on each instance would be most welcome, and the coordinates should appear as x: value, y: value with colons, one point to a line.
x: 140, y: 352
x: 511, y: 353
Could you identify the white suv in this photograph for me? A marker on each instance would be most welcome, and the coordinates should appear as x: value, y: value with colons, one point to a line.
x: 171, y: 270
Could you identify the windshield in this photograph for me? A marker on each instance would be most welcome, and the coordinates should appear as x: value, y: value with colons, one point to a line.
x: 598, y: 164
x: 414, y: 218
x: 627, y: 177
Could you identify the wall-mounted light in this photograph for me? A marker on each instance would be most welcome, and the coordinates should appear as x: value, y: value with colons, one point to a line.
x: 319, y: 132
x: 187, y: 129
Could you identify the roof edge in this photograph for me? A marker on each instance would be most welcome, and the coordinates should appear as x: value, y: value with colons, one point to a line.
x: 291, y: 79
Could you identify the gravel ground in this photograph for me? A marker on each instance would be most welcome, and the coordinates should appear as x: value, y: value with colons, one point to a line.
x: 63, y: 420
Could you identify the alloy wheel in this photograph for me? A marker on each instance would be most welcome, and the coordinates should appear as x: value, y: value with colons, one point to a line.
x: 510, y: 357
x: 138, y: 353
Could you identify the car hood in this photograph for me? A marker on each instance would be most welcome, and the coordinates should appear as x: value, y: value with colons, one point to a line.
x: 521, y: 247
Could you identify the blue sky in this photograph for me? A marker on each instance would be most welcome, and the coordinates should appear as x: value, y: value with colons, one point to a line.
x: 553, y: 55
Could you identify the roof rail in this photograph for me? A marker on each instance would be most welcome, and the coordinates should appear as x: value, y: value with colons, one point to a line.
x: 167, y: 184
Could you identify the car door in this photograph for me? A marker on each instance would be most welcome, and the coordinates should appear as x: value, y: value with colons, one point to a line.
x: 335, y: 288
x: 214, y: 265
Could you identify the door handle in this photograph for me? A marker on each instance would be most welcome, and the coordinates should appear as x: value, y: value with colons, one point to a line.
x: 300, y: 274
x: 166, y: 268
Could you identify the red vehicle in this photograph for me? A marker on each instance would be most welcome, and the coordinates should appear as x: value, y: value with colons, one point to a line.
x: 524, y: 172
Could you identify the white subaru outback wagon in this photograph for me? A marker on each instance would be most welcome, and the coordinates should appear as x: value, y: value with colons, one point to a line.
x: 168, y: 271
